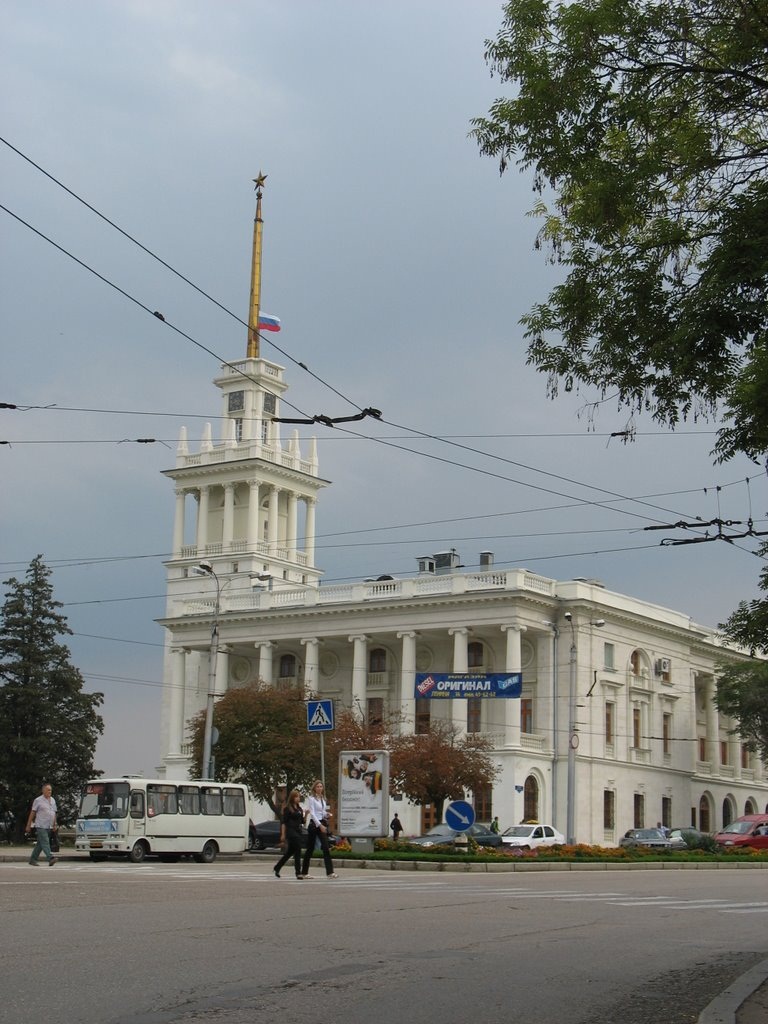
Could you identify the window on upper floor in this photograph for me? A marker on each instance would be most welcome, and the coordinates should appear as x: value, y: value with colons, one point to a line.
x: 377, y: 660
x: 666, y: 733
x: 475, y: 654
x: 703, y: 748
x: 610, y: 723
x: 723, y: 751
x: 635, y: 663
x: 526, y: 714
x: 637, y: 730
x: 287, y: 666
x: 609, y: 656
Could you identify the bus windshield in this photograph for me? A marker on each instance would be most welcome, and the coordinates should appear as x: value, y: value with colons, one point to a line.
x: 104, y: 800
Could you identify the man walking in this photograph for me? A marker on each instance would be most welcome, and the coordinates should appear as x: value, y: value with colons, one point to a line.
x: 42, y: 817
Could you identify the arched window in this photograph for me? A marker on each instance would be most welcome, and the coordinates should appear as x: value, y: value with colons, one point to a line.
x: 704, y: 815
x: 287, y: 666
x: 377, y: 660
x: 727, y: 813
x: 475, y: 654
x: 531, y: 799
x: 750, y: 807
x: 635, y: 662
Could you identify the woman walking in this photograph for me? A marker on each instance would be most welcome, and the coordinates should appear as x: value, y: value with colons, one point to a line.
x: 290, y: 833
x: 318, y: 811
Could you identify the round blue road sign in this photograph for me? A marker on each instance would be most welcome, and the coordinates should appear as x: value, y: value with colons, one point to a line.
x: 459, y: 815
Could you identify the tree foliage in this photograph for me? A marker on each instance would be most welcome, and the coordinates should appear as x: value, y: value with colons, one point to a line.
x: 441, y: 764
x: 263, y: 741
x: 644, y: 124
x: 48, y: 726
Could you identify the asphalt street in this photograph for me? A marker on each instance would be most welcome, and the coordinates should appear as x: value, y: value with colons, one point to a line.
x: 228, y: 943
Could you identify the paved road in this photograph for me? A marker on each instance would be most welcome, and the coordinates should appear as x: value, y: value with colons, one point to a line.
x: 228, y: 943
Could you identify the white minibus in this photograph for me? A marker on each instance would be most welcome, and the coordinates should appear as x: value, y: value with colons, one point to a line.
x: 138, y: 817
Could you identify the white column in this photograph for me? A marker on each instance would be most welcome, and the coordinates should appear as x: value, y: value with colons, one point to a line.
x: 459, y: 704
x: 291, y: 540
x: 229, y: 517
x: 265, y: 661
x: 202, y: 521
x: 274, y: 493
x: 178, y: 523
x: 253, y: 515
x: 407, y: 680
x: 311, y: 663
x: 176, y: 709
x: 359, y: 672
x: 309, y: 532
x: 513, y: 663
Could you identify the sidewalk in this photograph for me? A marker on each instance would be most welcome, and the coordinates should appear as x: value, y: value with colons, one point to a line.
x: 743, y: 1002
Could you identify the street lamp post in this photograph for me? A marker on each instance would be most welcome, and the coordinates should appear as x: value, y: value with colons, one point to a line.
x: 206, y: 569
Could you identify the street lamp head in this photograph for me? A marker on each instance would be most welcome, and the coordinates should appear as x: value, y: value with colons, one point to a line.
x: 598, y: 622
x: 567, y: 616
x: 205, y: 567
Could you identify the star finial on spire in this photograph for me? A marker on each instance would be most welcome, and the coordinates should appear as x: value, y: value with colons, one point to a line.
x: 259, y: 182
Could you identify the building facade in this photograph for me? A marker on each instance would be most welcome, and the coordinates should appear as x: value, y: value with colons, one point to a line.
x: 616, y: 726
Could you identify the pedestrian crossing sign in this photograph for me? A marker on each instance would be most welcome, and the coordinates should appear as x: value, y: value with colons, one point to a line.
x: 320, y: 715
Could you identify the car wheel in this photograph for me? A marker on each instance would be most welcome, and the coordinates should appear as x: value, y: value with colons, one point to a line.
x: 208, y: 854
x: 138, y: 852
x: 259, y: 843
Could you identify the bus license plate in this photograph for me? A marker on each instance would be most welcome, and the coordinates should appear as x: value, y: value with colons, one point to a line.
x: 96, y: 846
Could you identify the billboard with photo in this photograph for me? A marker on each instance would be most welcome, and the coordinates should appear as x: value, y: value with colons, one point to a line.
x: 363, y: 793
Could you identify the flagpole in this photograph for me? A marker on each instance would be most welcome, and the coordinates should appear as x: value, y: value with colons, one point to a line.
x: 253, y: 316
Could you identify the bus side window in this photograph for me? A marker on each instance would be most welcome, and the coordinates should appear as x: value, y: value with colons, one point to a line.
x: 234, y: 802
x: 211, y: 800
x: 137, y: 804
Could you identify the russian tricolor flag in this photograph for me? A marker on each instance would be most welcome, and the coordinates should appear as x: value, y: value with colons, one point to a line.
x: 268, y: 323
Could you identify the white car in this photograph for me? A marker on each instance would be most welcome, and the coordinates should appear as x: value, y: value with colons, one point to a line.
x: 528, y: 837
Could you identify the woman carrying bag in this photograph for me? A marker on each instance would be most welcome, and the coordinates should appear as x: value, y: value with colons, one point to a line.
x: 290, y: 833
x: 318, y: 811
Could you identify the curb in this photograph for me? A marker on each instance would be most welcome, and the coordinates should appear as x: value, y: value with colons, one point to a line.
x: 723, y: 1008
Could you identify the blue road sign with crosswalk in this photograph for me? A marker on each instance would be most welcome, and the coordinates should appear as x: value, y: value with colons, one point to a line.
x: 319, y: 715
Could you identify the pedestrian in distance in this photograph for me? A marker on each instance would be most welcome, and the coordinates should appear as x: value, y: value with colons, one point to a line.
x: 397, y: 827
x: 495, y: 827
x: 42, y: 817
x: 290, y: 833
x: 318, y: 813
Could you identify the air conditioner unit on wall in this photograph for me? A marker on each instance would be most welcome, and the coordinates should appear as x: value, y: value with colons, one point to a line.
x: 663, y: 665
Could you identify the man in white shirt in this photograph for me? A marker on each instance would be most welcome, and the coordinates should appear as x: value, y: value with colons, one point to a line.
x: 42, y: 817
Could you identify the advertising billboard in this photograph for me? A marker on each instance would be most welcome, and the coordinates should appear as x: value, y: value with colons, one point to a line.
x: 448, y: 685
x: 363, y: 793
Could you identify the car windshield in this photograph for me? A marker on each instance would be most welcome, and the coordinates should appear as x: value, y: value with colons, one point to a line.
x: 739, y: 828
x: 519, y: 830
x: 104, y: 800
x: 647, y: 833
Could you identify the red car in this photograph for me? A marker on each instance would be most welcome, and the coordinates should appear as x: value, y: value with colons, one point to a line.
x: 749, y: 830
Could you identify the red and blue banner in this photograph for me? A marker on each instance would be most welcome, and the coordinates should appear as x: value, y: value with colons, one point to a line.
x: 449, y: 685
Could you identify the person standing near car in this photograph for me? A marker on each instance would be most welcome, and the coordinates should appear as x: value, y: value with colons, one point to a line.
x: 42, y: 817
x: 290, y: 833
x: 318, y: 812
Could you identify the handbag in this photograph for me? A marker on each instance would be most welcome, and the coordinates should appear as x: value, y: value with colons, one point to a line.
x: 53, y: 839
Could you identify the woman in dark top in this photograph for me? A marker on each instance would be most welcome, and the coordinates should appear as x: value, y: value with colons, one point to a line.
x: 290, y: 833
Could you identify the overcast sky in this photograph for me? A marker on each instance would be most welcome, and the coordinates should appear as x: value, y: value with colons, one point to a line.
x: 400, y: 264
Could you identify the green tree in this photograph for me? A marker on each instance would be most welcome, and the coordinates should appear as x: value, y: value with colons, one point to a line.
x: 48, y: 726
x: 644, y: 126
x: 263, y: 741
x: 441, y: 764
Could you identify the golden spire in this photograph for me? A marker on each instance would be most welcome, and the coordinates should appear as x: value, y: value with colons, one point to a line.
x: 253, y: 317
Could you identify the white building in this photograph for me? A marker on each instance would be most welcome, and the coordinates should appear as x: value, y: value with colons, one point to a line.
x: 626, y: 686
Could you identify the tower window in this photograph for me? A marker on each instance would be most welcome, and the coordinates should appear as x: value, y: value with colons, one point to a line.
x: 236, y: 401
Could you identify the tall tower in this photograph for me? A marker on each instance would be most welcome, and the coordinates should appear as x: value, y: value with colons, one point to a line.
x: 245, y: 501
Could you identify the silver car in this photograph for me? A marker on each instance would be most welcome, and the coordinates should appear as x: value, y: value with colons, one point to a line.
x: 652, y: 837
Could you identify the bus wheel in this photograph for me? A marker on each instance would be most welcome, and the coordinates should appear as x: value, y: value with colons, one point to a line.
x: 138, y: 852
x: 208, y: 855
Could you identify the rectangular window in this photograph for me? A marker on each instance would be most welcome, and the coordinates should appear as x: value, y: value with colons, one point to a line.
x: 375, y: 710
x: 746, y: 759
x: 639, y: 810
x: 238, y: 428
x: 474, y: 705
x: 609, y: 810
x: 610, y: 713
x: 666, y: 733
x: 666, y: 811
x: 210, y: 799
x: 526, y: 715
x: 161, y: 799
x: 234, y: 802
x: 723, y: 751
x: 482, y: 801
x: 702, y: 748
x: 422, y: 716
x: 609, y: 656
x: 637, y: 732
x: 189, y: 800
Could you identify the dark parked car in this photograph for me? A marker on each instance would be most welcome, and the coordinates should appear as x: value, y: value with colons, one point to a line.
x: 442, y: 834
x: 267, y: 833
x: 652, y: 837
